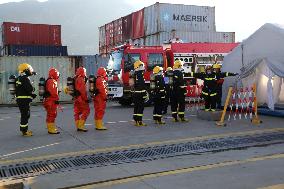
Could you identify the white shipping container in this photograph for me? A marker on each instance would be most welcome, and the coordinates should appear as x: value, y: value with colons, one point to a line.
x: 102, y: 36
x: 41, y: 65
x: 191, y: 37
x: 164, y: 17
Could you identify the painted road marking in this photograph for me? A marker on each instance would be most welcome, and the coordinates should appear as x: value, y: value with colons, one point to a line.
x: 123, y: 121
x: 138, y: 178
x: 278, y: 186
x: 1, y: 119
x: 111, y: 122
x: 149, y: 144
x: 22, y: 151
x: 88, y: 124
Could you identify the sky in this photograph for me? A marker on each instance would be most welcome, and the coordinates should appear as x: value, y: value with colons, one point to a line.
x: 240, y: 16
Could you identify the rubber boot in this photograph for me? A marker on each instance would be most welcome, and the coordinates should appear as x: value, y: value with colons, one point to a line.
x: 141, y: 123
x: 161, y: 122
x: 81, y: 126
x: 52, y: 129
x: 28, y: 134
x: 137, y: 124
x: 99, y: 125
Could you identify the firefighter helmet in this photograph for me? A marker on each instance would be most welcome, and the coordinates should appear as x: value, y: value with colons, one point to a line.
x: 157, y: 70
x: 26, y: 68
x: 169, y: 69
x: 139, y: 65
x: 81, y: 71
x: 208, y: 69
x: 178, y: 64
x: 216, y: 66
x: 53, y: 73
x: 101, y: 72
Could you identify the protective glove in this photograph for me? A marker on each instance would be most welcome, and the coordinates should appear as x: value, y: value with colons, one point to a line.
x: 34, y: 96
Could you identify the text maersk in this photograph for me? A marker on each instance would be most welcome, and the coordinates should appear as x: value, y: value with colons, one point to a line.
x: 189, y: 18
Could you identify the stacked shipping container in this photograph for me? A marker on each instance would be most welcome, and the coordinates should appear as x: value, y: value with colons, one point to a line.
x: 162, y: 22
x: 32, y: 39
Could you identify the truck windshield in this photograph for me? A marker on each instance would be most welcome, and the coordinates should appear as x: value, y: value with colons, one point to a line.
x: 155, y: 60
x: 129, y: 60
x: 115, y: 60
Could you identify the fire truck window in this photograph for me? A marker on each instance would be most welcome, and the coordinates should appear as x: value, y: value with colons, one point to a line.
x: 185, y: 60
x: 129, y: 60
x: 155, y: 60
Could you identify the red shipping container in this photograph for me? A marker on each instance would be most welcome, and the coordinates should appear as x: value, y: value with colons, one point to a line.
x: 117, y: 31
x: 31, y: 34
x: 138, y: 24
x: 109, y: 34
x: 127, y: 27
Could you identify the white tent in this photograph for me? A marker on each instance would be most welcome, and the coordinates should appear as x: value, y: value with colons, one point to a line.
x: 259, y: 59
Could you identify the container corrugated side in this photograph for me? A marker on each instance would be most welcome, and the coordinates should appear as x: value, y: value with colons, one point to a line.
x: 127, y: 27
x: 117, y: 31
x: 9, y: 65
x: 102, y: 36
x: 138, y: 24
x: 93, y: 62
x: 164, y: 17
x: 31, y: 34
x: 191, y: 37
x: 109, y: 34
x: 35, y: 50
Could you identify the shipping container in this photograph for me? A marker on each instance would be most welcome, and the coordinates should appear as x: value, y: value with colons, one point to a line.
x: 35, y: 50
x: 164, y: 17
x: 127, y: 27
x: 93, y: 62
x: 102, y: 36
x: 190, y: 37
x: 9, y: 65
x: 30, y: 34
x: 138, y: 24
x: 109, y: 34
x: 117, y: 31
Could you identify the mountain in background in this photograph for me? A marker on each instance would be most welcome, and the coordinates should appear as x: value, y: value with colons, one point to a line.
x: 80, y: 19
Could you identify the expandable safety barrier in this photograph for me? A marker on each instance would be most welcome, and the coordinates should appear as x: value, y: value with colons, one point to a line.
x: 193, y: 99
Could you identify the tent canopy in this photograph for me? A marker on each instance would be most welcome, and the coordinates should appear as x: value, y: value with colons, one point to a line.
x: 259, y: 59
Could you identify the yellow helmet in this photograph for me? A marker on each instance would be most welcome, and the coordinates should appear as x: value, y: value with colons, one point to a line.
x: 169, y: 69
x: 157, y: 69
x: 216, y: 66
x: 178, y: 64
x: 25, y: 67
x: 138, y: 65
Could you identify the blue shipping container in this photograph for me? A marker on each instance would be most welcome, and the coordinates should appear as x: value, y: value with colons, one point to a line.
x: 35, y: 50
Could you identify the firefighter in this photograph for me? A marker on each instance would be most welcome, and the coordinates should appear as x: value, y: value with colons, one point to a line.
x: 209, y: 90
x: 158, y: 94
x: 24, y: 95
x: 140, y: 93
x: 100, y: 98
x: 168, y: 87
x: 81, y: 102
x: 220, y: 81
x: 178, y: 93
x: 51, y: 100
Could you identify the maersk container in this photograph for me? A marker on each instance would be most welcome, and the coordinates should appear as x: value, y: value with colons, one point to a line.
x: 30, y: 34
x: 35, y: 50
x: 190, y: 37
x: 9, y: 65
x: 164, y: 17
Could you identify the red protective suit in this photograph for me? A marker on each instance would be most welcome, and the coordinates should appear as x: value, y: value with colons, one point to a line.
x: 50, y: 103
x: 101, y: 98
x: 81, y: 105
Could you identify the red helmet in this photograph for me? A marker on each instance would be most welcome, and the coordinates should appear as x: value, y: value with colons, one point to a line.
x: 53, y: 73
x: 101, y: 72
x: 81, y: 71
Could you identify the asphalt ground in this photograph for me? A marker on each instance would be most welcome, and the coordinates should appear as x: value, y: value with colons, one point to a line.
x: 250, y: 168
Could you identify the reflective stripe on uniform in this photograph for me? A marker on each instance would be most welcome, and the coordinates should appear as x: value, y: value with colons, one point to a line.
x: 140, y: 115
x: 181, y: 113
x: 157, y: 115
x: 227, y: 74
x: 174, y: 112
x: 140, y: 91
x: 205, y: 93
x: 24, y: 97
x: 213, y: 110
x: 213, y: 94
x: 207, y: 110
x: 183, y: 86
x: 162, y: 90
x: 18, y: 82
x: 23, y: 126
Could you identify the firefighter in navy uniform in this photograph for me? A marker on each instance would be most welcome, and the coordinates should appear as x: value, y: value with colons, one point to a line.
x: 220, y: 81
x: 209, y: 91
x: 140, y: 93
x: 178, y: 93
x: 168, y: 87
x: 24, y: 95
x: 158, y: 90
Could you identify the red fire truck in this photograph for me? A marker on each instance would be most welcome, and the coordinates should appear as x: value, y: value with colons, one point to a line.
x: 194, y: 56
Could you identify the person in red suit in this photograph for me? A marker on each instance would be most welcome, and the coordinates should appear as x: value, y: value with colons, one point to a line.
x: 100, y: 98
x: 51, y: 100
x: 81, y: 102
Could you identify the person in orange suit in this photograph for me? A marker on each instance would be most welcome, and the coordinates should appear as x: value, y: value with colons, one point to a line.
x: 51, y: 100
x: 81, y: 102
x: 100, y: 98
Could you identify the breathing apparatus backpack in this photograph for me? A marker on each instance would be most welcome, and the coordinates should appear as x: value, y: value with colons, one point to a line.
x: 42, y: 92
x: 92, y: 85
x: 12, y: 84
